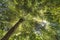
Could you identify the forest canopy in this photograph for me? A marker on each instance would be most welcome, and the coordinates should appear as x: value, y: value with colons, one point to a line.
x: 41, y: 19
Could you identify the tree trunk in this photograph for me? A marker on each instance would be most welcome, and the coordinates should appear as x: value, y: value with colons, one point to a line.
x: 10, y: 32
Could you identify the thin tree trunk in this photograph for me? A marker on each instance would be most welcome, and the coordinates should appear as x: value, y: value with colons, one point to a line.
x: 10, y: 32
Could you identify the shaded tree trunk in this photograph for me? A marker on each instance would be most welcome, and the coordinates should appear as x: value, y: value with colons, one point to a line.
x: 10, y: 32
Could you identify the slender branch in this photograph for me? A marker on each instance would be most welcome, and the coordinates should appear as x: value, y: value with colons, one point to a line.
x: 10, y: 32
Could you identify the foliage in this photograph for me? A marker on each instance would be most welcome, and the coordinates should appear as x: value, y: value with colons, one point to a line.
x: 41, y: 19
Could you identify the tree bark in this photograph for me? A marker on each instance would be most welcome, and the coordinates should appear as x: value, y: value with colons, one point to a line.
x: 10, y: 32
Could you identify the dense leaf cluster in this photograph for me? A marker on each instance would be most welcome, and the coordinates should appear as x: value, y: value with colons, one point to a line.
x: 42, y: 19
